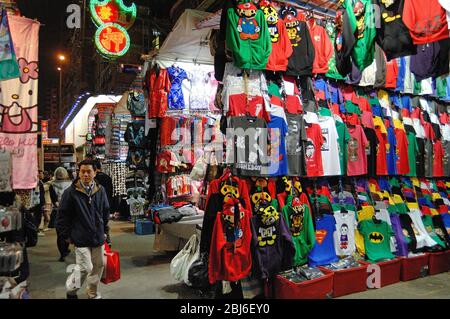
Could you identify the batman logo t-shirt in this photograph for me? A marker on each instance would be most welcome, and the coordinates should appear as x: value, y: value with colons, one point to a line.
x: 376, y: 239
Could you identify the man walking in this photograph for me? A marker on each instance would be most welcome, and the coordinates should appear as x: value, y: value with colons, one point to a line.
x: 83, y: 221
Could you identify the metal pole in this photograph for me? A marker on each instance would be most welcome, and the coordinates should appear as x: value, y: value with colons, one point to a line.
x: 59, y: 112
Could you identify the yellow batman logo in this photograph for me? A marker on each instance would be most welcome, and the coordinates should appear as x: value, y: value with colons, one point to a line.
x: 376, y: 237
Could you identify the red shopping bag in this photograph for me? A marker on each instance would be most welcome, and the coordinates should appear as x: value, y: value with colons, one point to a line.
x: 111, y: 272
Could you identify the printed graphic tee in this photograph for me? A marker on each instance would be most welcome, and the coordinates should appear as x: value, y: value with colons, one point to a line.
x: 344, y: 236
x: 343, y: 138
x: 357, y: 159
x: 323, y: 252
x: 376, y: 239
x: 330, y: 148
x: 294, y: 145
x: 277, y: 139
x: 313, y: 154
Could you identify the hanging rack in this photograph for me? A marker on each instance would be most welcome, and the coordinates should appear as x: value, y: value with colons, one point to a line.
x: 328, y: 13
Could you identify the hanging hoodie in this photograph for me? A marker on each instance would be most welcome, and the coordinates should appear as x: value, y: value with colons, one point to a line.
x: 380, y: 76
x: 323, y: 50
x: 273, y: 249
x: 230, y: 251
x: 299, y: 221
x: 426, y: 21
x: 424, y: 64
x: 393, y: 36
x: 344, y: 41
x: 247, y: 36
x: 302, y: 59
x: 281, y: 44
x: 364, y: 49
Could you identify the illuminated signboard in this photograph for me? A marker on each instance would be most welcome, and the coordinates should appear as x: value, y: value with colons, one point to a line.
x: 112, y: 40
x: 112, y: 11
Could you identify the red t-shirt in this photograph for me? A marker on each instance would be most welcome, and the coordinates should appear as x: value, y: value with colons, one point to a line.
x: 313, y: 153
x: 381, y: 152
x: 168, y: 125
x: 364, y: 105
x: 438, y: 155
x: 357, y: 159
x: 293, y: 104
x: 391, y: 74
x: 243, y: 105
x: 402, y: 152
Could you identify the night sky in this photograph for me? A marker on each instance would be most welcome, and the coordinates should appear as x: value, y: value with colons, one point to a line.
x: 52, y: 15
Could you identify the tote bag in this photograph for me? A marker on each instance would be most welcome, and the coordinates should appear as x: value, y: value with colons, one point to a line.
x: 180, y: 264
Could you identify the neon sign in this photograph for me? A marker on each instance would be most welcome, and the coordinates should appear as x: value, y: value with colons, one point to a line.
x: 112, y: 40
x: 112, y: 11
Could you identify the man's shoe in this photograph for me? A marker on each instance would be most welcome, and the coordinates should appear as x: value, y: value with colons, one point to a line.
x: 69, y: 296
x: 98, y: 296
x: 41, y: 234
x: 61, y: 259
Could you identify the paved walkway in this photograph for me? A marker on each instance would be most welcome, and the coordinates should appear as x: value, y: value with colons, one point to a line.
x: 145, y: 274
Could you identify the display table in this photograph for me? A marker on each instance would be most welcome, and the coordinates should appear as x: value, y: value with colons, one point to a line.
x: 173, y: 237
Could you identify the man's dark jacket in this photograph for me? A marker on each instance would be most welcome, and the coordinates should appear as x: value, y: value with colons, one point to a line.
x: 82, y: 219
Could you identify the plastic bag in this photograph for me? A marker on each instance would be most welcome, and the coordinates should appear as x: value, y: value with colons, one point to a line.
x: 180, y: 264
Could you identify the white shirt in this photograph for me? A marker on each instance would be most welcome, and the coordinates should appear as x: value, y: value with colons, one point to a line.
x: 420, y: 131
x: 368, y: 75
x: 344, y: 235
x: 409, y: 77
x: 446, y: 132
x: 311, y: 117
x: 330, y: 148
x: 446, y: 5
x: 427, y: 86
x: 423, y: 238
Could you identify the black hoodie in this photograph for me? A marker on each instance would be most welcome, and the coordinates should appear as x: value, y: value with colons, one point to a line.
x: 302, y: 59
x: 392, y: 34
x: 343, y: 46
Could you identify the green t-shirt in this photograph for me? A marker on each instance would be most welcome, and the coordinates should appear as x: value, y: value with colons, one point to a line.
x: 413, y: 151
x: 352, y: 108
x: 441, y: 87
x: 376, y: 239
x: 343, y: 138
x: 364, y: 50
x: 417, y: 87
x: 428, y: 223
x: 302, y: 230
x: 274, y: 90
x: 323, y: 111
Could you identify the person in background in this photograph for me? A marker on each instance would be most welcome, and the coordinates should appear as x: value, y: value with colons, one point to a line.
x: 83, y: 220
x: 106, y: 181
x: 38, y: 201
x: 47, y: 177
x: 58, y: 185
x: 47, y: 209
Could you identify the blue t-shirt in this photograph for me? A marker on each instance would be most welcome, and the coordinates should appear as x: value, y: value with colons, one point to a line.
x: 446, y: 219
x: 323, y: 252
x: 406, y: 103
x: 401, y: 62
x: 396, y: 100
x: 376, y: 107
x: 384, y: 184
x: 335, y: 94
x: 392, y: 154
x: 278, y: 156
x: 447, y: 98
x: 321, y: 85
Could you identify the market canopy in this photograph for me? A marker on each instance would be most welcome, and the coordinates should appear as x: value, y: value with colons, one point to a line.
x: 185, y: 42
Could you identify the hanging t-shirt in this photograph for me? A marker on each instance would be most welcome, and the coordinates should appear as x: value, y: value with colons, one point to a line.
x: 330, y: 148
x: 429, y: 227
x: 413, y: 151
x: 438, y: 155
x: 249, y: 140
x: 343, y: 138
x: 294, y: 145
x: 392, y: 152
x: 344, y: 237
x: 371, y: 151
x: 376, y: 239
x: 391, y: 74
x: 428, y: 158
x: 323, y: 252
x: 278, y: 157
x: 242, y: 105
x: 136, y: 206
x: 313, y: 154
x: 381, y: 152
x: 357, y: 159
x: 402, y: 152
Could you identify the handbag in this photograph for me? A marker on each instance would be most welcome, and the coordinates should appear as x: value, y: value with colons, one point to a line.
x: 198, y: 272
x: 180, y: 264
x: 30, y: 230
x: 111, y: 260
